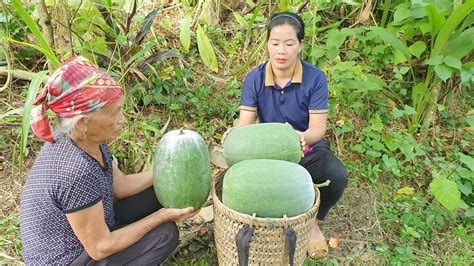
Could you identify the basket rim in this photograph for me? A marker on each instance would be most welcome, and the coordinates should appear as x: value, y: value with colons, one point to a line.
x: 259, y: 221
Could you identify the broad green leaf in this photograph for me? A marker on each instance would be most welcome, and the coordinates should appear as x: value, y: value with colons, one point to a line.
x: 241, y: 20
x: 425, y: 27
x: 402, y: 12
x: 470, y: 121
x: 452, y: 62
x: 206, y: 51
x: 398, y: 57
x: 25, y: 123
x: 397, y: 112
x: 435, y: 60
x: 465, y: 173
x: 406, y: 191
x: 443, y: 72
x: 465, y: 188
x: 409, y: 110
x: 392, y: 39
x: 436, y: 18
x: 461, y: 45
x: 185, y: 33
x: 390, y: 142
x: 446, y: 192
x: 374, y: 154
x: 465, y: 75
x: 469, y: 213
x: 451, y: 24
x: 358, y: 148
x: 335, y: 38
x: 467, y: 160
x: 417, y: 48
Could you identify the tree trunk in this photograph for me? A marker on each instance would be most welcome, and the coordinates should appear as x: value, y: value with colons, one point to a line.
x: 45, y: 22
x: 430, y: 114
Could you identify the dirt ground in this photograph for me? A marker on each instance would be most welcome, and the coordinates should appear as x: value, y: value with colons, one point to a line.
x: 353, y: 221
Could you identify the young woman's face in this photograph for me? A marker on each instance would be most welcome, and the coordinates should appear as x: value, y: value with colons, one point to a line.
x: 283, y: 47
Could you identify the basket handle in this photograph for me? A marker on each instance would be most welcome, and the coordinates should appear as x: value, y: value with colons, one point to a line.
x: 242, y: 241
x: 290, y: 239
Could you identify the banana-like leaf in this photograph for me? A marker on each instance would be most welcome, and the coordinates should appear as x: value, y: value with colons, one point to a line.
x: 25, y: 123
x: 436, y: 19
x: 146, y: 26
x: 461, y: 45
x: 206, y: 51
x: 241, y: 20
x: 185, y: 33
x: 391, y: 39
x: 108, y: 20
x: 45, y: 48
x: 157, y: 57
x: 450, y: 26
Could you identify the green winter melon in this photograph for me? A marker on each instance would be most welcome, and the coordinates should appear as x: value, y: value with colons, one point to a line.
x: 182, y: 170
x: 262, y: 141
x: 268, y: 188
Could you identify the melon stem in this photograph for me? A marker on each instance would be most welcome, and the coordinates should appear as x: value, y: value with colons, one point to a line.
x: 181, y: 131
x: 324, y: 184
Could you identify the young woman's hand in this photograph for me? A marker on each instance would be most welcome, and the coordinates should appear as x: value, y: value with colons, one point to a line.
x: 173, y: 214
x: 303, y: 142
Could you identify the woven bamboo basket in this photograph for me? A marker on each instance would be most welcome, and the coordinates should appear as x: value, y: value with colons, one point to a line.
x: 267, y: 245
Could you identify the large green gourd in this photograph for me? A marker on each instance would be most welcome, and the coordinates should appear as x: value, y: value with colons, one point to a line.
x: 268, y: 188
x: 262, y: 141
x: 182, y: 170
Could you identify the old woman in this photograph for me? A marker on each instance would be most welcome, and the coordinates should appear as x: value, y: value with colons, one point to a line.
x: 77, y: 207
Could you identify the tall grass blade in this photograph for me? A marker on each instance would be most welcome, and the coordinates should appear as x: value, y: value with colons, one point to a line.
x: 46, y: 49
x: 40, y: 49
x: 451, y: 24
x: 25, y: 123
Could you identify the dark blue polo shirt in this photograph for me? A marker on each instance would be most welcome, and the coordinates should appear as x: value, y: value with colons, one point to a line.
x: 306, y: 93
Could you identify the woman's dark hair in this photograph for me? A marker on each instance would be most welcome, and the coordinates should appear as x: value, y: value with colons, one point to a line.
x: 289, y: 18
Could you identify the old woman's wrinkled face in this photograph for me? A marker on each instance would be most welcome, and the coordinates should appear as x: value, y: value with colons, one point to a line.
x: 107, y: 123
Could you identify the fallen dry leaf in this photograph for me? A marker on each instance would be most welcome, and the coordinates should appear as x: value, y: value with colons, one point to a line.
x: 215, y: 154
x: 334, y: 242
x: 206, y: 214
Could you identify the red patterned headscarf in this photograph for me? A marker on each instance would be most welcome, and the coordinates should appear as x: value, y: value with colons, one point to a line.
x: 76, y: 87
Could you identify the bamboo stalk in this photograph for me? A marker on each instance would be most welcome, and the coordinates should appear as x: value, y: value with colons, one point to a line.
x: 45, y: 22
x: 19, y: 74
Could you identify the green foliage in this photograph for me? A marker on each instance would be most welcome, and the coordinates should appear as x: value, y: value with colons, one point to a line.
x: 206, y: 51
x: 35, y: 84
x: 43, y: 47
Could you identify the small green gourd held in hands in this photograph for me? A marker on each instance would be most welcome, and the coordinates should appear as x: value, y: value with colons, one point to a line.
x: 182, y: 170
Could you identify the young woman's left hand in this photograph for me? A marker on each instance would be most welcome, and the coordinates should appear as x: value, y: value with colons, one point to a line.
x: 303, y: 142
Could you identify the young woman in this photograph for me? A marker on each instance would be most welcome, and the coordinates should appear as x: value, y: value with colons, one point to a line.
x: 69, y: 212
x: 288, y: 90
